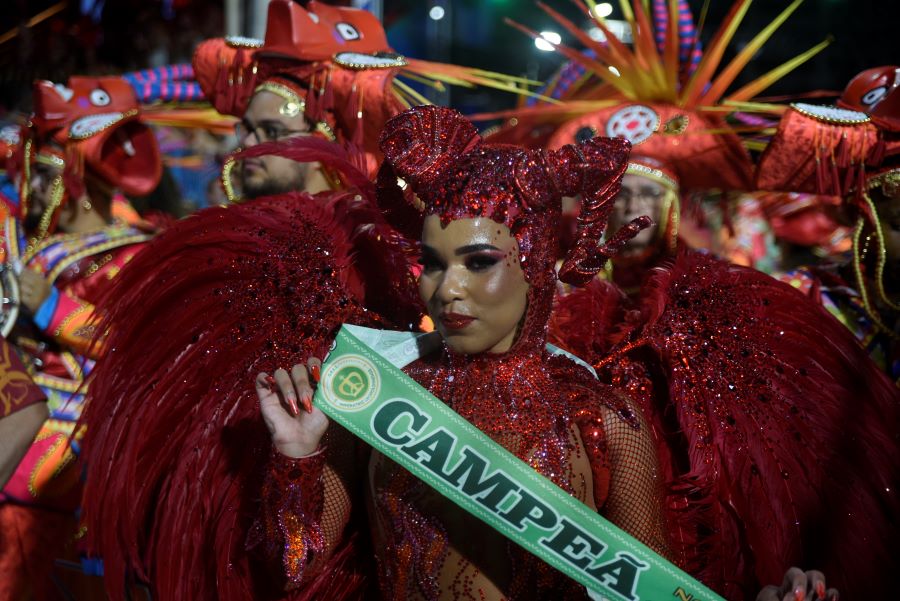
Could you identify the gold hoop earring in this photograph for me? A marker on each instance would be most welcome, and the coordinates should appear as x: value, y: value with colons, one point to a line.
x: 86, y: 204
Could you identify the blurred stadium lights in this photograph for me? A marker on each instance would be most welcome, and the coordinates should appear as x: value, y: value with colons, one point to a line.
x: 603, y: 10
x: 546, y: 41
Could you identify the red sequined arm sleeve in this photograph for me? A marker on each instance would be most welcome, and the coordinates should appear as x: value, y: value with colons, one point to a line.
x: 304, y: 511
x: 289, y: 532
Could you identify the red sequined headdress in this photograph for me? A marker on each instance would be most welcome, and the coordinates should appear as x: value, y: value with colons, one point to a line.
x: 91, y: 123
x: 448, y: 170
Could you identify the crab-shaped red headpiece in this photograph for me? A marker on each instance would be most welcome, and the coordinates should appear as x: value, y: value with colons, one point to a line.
x: 96, y: 120
x: 455, y: 175
x: 320, y: 31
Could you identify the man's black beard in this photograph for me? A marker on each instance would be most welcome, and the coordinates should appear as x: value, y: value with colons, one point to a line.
x: 272, y: 187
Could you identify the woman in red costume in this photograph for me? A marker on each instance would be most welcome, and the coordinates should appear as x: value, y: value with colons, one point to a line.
x: 488, y: 282
x: 487, y: 216
x: 85, y: 141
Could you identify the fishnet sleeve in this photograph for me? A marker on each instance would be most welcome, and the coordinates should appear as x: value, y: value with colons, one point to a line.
x: 304, y: 509
x: 636, y: 490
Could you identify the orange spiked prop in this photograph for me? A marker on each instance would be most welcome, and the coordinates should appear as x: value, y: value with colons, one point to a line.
x: 764, y: 81
x: 713, y: 56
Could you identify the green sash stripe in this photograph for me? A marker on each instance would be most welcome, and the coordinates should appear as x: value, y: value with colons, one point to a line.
x: 363, y: 389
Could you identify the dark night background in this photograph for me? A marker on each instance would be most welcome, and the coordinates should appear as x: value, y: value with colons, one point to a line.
x: 132, y: 34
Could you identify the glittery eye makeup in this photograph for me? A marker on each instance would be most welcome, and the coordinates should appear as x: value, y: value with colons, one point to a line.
x: 482, y: 261
x: 429, y: 260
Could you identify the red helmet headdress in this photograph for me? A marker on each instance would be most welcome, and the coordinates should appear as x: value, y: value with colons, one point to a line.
x: 442, y: 160
x: 875, y: 92
x: 91, y: 123
x: 317, y: 59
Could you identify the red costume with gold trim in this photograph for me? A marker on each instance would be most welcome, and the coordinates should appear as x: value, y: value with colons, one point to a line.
x: 850, y: 156
x: 89, y: 127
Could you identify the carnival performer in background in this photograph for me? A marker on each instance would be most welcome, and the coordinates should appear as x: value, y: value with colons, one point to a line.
x: 323, y: 73
x: 322, y: 70
x: 850, y: 153
x: 489, y: 241
x: 85, y: 141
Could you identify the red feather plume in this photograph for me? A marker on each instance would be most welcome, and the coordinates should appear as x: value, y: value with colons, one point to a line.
x: 175, y: 447
x: 779, y: 435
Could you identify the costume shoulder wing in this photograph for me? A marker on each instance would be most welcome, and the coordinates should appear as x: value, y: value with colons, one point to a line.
x: 174, y: 438
x: 786, y: 432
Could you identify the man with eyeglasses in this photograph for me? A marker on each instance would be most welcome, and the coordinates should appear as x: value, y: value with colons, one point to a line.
x: 322, y: 71
x: 266, y: 120
x: 648, y: 188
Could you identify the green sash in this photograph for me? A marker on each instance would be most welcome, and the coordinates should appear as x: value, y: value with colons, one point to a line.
x: 363, y: 389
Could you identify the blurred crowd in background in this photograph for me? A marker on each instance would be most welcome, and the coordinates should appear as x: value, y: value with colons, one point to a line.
x: 46, y: 39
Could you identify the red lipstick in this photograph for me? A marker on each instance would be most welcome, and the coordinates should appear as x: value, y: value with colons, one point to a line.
x: 455, y: 321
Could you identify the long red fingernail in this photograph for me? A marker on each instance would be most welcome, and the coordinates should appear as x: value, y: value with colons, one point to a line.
x: 270, y: 380
x: 799, y: 594
x: 295, y: 411
x: 307, y: 402
x: 820, y: 590
x: 316, y: 372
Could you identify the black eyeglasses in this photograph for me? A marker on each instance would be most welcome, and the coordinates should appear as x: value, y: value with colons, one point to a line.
x: 268, y: 131
x: 648, y: 195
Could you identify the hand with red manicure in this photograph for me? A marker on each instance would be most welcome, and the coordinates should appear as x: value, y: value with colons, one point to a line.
x: 799, y: 586
x: 296, y: 426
